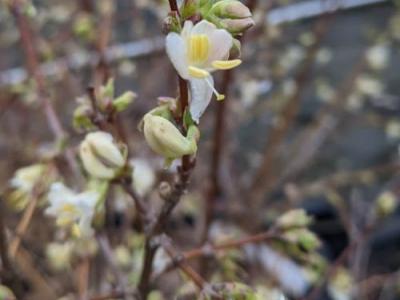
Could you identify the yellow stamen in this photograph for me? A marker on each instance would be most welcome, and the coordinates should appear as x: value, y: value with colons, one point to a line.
x: 219, y: 96
x: 69, y: 208
x: 226, y: 64
x: 198, y: 48
x: 198, y: 73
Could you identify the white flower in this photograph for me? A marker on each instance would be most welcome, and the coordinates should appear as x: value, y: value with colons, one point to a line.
x: 72, y: 210
x: 199, y: 50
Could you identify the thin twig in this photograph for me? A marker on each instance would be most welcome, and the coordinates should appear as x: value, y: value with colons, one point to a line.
x: 209, y: 250
x: 174, y: 254
x: 83, y: 278
x: 5, y: 260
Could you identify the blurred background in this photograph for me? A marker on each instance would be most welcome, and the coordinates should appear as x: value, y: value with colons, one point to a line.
x: 311, y: 120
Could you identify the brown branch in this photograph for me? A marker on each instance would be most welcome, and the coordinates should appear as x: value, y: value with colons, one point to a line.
x: 317, y: 290
x: 174, y: 197
x: 209, y: 250
x: 175, y: 255
x: 5, y: 260
x: 82, y: 278
x: 140, y: 205
x: 173, y: 6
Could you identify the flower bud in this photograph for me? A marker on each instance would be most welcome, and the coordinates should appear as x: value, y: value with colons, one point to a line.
x: 6, y: 293
x: 231, y: 9
x: 304, y: 238
x: 122, y: 102
x: 237, y: 26
x: 81, y: 117
x: 293, y: 218
x: 101, y: 156
x: 165, y: 139
x: 231, y: 15
x: 386, y: 204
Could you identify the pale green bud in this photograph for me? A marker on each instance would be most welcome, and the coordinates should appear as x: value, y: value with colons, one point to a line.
x: 165, y: 139
x: 107, y: 90
x: 293, y: 218
x: 235, y: 291
x: 386, y: 204
x: 84, y: 26
x: 231, y: 9
x: 231, y: 15
x: 101, y: 156
x: 122, y: 102
x: 304, y: 238
x: 188, y: 8
x: 237, y: 26
x: 6, y: 293
x: 81, y: 118
x: 26, y: 178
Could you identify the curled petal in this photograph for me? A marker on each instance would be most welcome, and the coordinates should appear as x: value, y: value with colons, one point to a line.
x: 176, y: 50
x: 201, y: 93
x: 221, y: 42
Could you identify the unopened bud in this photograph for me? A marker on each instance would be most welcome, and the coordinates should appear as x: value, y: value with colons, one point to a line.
x: 165, y: 139
x: 107, y: 90
x: 304, y: 238
x: 122, y: 102
x: 231, y: 15
x: 81, y: 118
x: 231, y: 9
x: 237, y: 26
x: 293, y: 218
x: 6, y: 293
x: 101, y: 156
x: 188, y: 8
x: 386, y: 204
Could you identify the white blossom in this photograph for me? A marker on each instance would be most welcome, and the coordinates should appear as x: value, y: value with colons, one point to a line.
x: 72, y: 210
x: 196, y: 52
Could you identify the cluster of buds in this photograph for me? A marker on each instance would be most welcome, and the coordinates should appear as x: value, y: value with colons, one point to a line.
x: 106, y: 105
x: 293, y: 226
x: 200, y: 40
x: 231, y: 15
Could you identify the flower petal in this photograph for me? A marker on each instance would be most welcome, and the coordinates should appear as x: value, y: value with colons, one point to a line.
x: 201, y: 93
x: 187, y: 29
x: 176, y: 50
x: 204, y: 27
x: 221, y: 43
